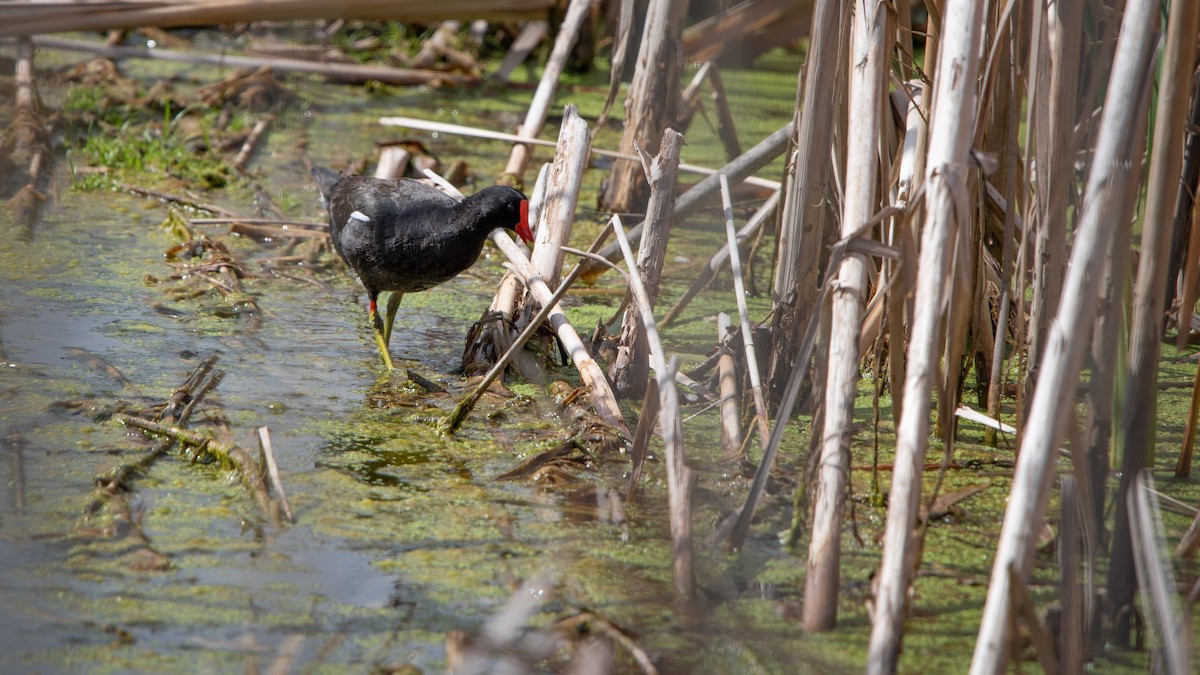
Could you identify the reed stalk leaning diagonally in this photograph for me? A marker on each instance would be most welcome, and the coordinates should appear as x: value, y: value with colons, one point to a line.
x: 1102, y: 208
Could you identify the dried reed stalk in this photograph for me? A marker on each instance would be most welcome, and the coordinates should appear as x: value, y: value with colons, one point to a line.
x: 339, y: 72
x: 1146, y: 327
x: 247, y: 469
x: 868, y: 78
x: 539, y: 107
x: 531, y: 35
x: 1167, y: 621
x: 472, y: 132
x: 739, y: 292
x: 807, y: 202
x: 651, y: 100
x: 37, y: 18
x: 1054, y: 108
x: 1102, y: 208
x: 631, y: 365
x: 952, y: 131
x: 681, y: 479
x: 721, y: 257
x: 589, y: 371
x: 731, y: 428
x: 694, y: 198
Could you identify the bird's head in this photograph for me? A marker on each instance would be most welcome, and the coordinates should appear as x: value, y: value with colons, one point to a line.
x: 501, y: 206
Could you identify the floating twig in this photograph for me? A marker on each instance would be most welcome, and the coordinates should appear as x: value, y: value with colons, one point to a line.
x: 616, y: 66
x: 94, y: 360
x: 110, y: 488
x: 285, y: 231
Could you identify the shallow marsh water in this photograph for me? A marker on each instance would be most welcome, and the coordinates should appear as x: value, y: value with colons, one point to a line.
x: 402, y: 535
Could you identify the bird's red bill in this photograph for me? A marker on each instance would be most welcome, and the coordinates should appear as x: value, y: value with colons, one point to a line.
x: 523, y: 230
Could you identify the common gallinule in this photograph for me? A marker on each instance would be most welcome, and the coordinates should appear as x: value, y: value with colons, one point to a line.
x: 405, y: 236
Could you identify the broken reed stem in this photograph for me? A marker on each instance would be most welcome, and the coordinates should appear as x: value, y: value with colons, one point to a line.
x: 531, y: 35
x: 243, y: 156
x: 209, y: 383
x: 1102, y: 207
x: 736, y: 526
x: 681, y: 480
x: 689, y: 98
x: 264, y: 444
x: 249, y: 470
x: 629, y: 369
x: 334, y: 71
x: 641, y: 298
x: 726, y: 130
x: 488, y: 134
x: 731, y: 429
x: 199, y: 383
x: 444, y: 184
x: 1164, y: 616
x: 721, y: 257
x: 641, y: 437
x: 539, y: 107
x: 739, y: 290
x: 1183, y: 466
x: 393, y: 162
x: 617, y: 634
x: 454, y: 420
x: 590, y: 373
x: 110, y: 482
x: 556, y: 211
x: 693, y: 199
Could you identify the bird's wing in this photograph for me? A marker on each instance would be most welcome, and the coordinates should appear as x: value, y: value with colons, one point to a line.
x: 357, y: 231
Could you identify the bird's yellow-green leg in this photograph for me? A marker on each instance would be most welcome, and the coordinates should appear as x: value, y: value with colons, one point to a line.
x: 380, y: 341
x: 390, y: 315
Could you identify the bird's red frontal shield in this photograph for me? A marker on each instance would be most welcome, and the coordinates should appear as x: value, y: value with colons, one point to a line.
x: 523, y: 230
